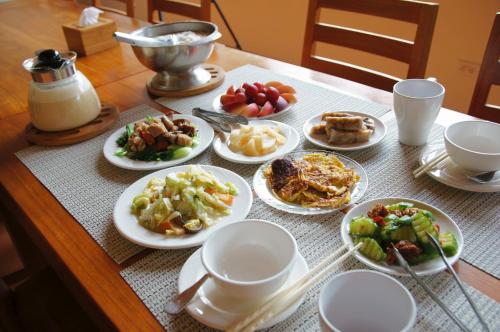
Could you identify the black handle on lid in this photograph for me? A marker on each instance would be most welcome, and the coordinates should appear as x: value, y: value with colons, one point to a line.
x: 49, y: 58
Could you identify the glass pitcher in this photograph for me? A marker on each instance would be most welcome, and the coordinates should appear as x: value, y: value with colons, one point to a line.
x: 60, y: 97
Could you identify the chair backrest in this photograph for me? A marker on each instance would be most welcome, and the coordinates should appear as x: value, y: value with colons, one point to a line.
x: 414, y: 53
x: 489, y: 75
x: 129, y: 11
x: 199, y: 12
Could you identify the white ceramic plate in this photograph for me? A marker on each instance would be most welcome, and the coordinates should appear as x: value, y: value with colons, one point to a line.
x: 450, y: 174
x: 292, y: 140
x: 206, y: 135
x: 211, y: 308
x: 217, y: 106
x: 265, y: 193
x: 320, y: 140
x: 433, y: 266
x: 127, y: 224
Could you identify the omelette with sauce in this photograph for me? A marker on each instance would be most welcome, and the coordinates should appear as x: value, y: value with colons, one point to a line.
x: 318, y: 180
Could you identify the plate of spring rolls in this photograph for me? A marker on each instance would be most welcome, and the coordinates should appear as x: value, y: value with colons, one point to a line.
x: 344, y: 130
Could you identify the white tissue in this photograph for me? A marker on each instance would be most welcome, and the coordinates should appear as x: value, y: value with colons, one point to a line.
x: 90, y: 16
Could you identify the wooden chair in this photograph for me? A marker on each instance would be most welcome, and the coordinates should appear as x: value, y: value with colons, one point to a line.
x: 489, y: 75
x: 129, y: 3
x: 415, y: 53
x: 199, y: 12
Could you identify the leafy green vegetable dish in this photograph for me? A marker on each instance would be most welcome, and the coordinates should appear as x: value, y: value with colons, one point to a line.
x: 406, y: 227
x: 155, y: 139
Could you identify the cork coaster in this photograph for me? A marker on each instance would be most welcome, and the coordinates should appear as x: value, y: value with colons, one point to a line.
x: 216, y: 79
x: 107, y: 118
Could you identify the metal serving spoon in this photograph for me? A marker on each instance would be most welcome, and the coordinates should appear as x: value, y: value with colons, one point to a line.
x: 437, y: 247
x: 137, y: 40
x: 483, y: 177
x: 224, y: 127
x: 404, y: 264
x: 179, y: 302
x: 228, y: 117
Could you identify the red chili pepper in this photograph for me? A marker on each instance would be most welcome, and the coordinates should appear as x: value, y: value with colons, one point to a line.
x: 379, y: 220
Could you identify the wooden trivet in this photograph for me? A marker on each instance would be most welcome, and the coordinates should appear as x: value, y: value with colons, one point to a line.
x: 107, y: 118
x: 215, y: 80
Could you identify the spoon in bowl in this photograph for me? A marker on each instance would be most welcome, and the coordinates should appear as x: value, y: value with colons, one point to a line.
x: 179, y: 302
x: 483, y: 177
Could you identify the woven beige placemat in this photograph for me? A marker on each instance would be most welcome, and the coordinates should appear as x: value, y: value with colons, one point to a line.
x: 154, y: 279
x: 389, y: 167
x: 87, y: 185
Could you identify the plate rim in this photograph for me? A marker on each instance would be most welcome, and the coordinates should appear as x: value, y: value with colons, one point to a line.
x: 311, y: 211
x: 262, y: 159
x: 346, y: 239
x: 216, y: 106
x: 179, y: 168
x: 473, y: 187
x: 150, y: 166
x: 315, y: 142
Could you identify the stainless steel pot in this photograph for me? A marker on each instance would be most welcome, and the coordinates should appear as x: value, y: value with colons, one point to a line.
x: 177, y: 66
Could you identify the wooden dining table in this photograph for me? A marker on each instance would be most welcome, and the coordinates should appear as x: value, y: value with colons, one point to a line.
x: 39, y: 224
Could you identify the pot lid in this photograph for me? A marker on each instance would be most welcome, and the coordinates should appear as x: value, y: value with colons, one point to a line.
x: 50, y: 65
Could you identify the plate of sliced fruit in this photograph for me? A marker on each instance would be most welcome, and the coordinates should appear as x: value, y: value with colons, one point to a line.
x: 257, y: 142
x: 257, y: 100
x: 404, y: 223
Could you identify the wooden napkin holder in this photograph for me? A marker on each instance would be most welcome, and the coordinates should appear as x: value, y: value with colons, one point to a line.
x: 86, y: 40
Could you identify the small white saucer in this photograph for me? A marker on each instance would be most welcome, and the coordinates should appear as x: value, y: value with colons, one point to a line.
x: 211, y: 308
x: 450, y: 174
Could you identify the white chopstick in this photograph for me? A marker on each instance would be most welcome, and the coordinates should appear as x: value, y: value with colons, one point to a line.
x: 429, y: 165
x: 288, y: 299
x: 288, y: 296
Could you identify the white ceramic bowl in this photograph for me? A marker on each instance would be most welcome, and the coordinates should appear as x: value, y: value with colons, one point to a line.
x: 363, y: 300
x: 474, y: 145
x: 249, y: 259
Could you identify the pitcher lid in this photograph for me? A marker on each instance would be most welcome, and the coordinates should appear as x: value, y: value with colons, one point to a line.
x: 50, y: 65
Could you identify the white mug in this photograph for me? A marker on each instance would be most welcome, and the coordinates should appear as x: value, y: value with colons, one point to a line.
x: 416, y: 104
